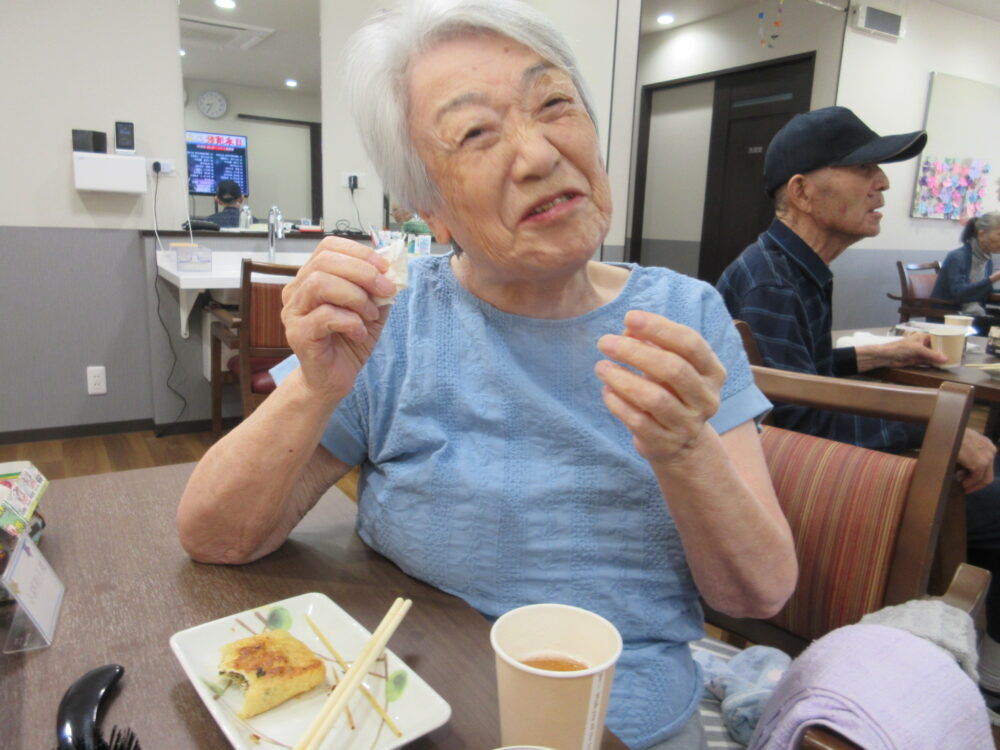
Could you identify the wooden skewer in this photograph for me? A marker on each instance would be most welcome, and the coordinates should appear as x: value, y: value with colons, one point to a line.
x: 343, y: 665
x: 338, y: 698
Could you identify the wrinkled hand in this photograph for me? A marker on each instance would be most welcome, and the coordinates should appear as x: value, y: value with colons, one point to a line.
x: 913, y: 349
x: 330, y: 319
x: 666, y: 406
x: 975, y: 459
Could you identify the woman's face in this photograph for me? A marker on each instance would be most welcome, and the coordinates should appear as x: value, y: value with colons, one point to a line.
x: 989, y: 240
x: 508, y: 143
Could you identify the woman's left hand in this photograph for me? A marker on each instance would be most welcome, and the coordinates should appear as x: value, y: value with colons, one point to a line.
x: 675, y: 390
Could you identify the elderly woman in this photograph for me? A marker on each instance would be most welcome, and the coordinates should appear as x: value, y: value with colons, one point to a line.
x: 967, y: 276
x: 531, y: 425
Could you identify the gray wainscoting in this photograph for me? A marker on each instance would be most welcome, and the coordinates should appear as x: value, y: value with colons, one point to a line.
x: 861, y: 280
x: 70, y: 298
x: 679, y: 255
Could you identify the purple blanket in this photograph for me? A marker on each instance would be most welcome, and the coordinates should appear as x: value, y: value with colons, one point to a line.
x: 880, y: 687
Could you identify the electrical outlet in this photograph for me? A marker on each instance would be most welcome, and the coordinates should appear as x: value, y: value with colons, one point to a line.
x: 166, y: 167
x: 97, y: 382
x: 345, y: 179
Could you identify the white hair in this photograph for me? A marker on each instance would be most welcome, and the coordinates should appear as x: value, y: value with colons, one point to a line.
x: 376, y: 61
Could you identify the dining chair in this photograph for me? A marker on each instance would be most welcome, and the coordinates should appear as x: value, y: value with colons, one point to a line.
x: 257, y: 334
x: 749, y: 343
x: 871, y: 529
x: 916, y: 284
x: 224, y: 334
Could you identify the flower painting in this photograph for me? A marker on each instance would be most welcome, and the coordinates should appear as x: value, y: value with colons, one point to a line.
x: 950, y: 188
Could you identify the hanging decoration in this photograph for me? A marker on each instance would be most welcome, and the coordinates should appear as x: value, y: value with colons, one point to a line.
x: 768, y: 39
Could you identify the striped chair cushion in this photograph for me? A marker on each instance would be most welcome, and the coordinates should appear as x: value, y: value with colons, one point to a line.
x: 266, y: 328
x: 844, y: 505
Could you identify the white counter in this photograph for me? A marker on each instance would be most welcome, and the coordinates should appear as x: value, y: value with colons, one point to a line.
x: 224, y: 274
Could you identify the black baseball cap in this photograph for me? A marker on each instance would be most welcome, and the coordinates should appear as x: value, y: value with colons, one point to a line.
x: 832, y: 137
x: 228, y: 190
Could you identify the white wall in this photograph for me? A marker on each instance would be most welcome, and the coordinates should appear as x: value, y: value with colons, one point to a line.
x: 591, y: 30
x: 886, y: 83
x: 731, y: 39
x: 277, y: 155
x: 67, y: 65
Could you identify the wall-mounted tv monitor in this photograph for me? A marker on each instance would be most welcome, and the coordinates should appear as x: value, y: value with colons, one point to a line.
x: 212, y: 157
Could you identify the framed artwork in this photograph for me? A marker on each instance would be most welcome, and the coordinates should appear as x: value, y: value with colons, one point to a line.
x: 956, y: 178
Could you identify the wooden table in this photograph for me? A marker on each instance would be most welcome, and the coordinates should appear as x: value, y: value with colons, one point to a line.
x: 986, y: 390
x: 130, y: 586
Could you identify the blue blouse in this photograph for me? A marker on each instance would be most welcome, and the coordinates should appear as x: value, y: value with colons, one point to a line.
x: 491, y: 469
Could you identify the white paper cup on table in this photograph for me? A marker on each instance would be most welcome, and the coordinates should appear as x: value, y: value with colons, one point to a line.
x: 554, y: 664
x: 949, y: 341
x: 961, y: 321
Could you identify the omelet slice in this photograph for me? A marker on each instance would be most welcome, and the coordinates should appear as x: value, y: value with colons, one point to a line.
x: 270, y: 668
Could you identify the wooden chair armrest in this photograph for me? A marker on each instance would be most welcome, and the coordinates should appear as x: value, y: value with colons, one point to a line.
x: 226, y: 334
x: 822, y: 738
x: 225, y: 315
x: 967, y: 591
x: 921, y: 301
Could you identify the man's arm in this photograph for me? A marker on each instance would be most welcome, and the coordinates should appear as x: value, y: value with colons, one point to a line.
x: 912, y: 350
x: 781, y: 329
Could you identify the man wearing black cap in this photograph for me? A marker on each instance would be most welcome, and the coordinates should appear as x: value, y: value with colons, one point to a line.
x: 229, y: 200
x: 822, y: 169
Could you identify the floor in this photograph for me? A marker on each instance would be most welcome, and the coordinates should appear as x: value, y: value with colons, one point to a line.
x: 74, y: 457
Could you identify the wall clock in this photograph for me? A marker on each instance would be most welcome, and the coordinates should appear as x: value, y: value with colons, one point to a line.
x: 212, y: 104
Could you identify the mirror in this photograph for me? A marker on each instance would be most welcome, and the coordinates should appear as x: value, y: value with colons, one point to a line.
x: 235, y: 66
x: 962, y: 151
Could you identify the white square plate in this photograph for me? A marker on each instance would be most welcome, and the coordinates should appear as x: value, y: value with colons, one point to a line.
x: 411, y: 703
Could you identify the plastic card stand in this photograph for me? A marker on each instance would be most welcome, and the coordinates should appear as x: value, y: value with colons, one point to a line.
x: 39, y: 594
x: 192, y: 257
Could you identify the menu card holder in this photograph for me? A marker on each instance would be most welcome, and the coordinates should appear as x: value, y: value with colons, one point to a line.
x: 39, y: 594
x: 192, y: 257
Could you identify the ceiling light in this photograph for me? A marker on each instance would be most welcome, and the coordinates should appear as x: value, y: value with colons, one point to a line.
x: 291, y: 83
x: 665, y: 18
x: 182, y: 52
x: 227, y: 4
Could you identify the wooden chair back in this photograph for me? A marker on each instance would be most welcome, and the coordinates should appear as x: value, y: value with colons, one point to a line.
x: 866, y: 524
x: 749, y: 344
x: 261, y: 332
x: 916, y: 285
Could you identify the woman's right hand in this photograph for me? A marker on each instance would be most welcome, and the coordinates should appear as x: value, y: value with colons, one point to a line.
x: 330, y: 320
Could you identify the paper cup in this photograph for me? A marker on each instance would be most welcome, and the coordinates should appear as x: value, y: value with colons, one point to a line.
x: 961, y: 321
x: 562, y: 710
x: 950, y: 341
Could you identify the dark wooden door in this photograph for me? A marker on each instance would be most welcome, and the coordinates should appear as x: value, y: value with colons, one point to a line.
x: 750, y: 107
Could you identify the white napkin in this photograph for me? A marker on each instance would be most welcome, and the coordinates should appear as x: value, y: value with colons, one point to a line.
x: 395, y: 253
x: 864, y: 338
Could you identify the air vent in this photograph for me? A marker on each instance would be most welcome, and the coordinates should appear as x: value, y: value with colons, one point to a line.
x: 208, y: 32
x: 876, y: 21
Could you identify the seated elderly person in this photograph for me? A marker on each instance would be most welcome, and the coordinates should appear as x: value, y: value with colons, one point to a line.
x: 531, y: 425
x: 967, y: 274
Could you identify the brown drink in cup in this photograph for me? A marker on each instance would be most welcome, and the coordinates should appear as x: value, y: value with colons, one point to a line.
x: 555, y: 664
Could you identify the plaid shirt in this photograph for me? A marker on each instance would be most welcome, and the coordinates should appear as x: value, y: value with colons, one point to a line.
x: 784, y: 290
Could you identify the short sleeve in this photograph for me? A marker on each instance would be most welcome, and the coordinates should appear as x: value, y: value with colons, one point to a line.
x: 742, y: 401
